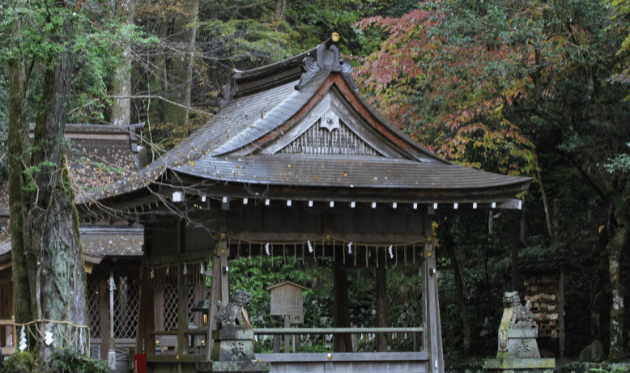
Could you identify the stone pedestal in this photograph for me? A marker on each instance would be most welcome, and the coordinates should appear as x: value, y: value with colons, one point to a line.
x: 515, y: 365
x: 233, y: 351
x: 518, y: 350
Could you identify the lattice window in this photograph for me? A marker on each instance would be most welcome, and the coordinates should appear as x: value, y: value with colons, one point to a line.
x: 170, y: 306
x: 320, y: 139
x: 191, y: 302
x: 126, y: 301
x: 94, y: 307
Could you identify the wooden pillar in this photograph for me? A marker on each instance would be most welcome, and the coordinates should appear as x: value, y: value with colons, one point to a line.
x: 341, y: 312
x: 182, y: 295
x: 514, y: 233
x: 200, y: 295
x: 431, y: 307
x: 219, y: 275
x: 287, y: 347
x: 141, y: 331
x: 276, y: 344
x: 182, y: 314
x: 145, y: 341
x: 296, y: 342
x: 381, y: 307
x: 104, y: 314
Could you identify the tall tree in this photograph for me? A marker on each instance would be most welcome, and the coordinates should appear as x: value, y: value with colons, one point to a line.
x: 18, y: 161
x: 121, y: 83
x: 476, y: 81
x: 55, y: 265
x: 47, y: 254
x: 180, y: 67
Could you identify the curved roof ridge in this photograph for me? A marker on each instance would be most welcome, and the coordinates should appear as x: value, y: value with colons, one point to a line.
x: 264, y: 70
x: 276, y: 117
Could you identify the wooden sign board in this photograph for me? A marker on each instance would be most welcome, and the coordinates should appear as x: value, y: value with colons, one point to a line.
x: 286, y: 299
x: 296, y: 319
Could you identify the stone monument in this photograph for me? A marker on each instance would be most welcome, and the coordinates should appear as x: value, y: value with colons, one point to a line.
x: 233, y: 349
x: 518, y: 350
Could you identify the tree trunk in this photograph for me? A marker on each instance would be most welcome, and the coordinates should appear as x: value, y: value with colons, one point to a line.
x: 56, y: 274
x: 180, y: 70
x: 17, y: 144
x: 121, y: 82
x: 614, y: 249
x: 280, y: 9
x: 556, y: 217
x: 381, y: 307
x: 461, y: 296
x: 545, y: 202
x: 596, y: 286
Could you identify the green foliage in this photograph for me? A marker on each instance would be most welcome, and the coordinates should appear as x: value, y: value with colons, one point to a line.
x: 403, y: 298
x: 620, y: 164
x: 70, y: 360
x: 615, y: 369
x: 445, y: 89
x: 19, y: 362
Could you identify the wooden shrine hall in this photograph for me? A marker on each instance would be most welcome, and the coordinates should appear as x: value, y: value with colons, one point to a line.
x: 296, y: 164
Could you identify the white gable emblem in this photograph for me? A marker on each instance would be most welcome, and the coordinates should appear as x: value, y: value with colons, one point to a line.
x: 330, y: 121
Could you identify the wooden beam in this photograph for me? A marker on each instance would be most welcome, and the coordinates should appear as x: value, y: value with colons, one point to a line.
x: 162, y: 260
x: 358, y: 238
x: 215, y: 295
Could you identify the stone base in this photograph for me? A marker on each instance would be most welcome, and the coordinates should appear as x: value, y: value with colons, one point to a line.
x: 233, y: 367
x: 520, y: 348
x: 521, y: 365
x: 241, y: 366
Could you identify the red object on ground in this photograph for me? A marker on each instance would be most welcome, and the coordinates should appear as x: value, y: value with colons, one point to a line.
x: 140, y: 363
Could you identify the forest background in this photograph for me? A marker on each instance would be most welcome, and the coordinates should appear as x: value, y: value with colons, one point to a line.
x: 521, y: 87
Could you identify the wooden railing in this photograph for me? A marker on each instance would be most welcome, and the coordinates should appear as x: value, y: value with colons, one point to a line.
x: 301, y: 331
x: 272, y: 331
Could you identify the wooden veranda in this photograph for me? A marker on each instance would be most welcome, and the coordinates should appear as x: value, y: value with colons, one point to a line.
x: 295, y: 164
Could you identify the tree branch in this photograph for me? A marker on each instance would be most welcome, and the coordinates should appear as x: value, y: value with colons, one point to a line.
x: 166, y: 100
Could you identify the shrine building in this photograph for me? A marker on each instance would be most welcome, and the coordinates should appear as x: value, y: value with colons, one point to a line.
x: 295, y: 164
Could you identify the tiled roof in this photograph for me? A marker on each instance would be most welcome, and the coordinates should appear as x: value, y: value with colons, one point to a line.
x: 263, y: 102
x: 242, y: 115
x: 102, y: 242
x: 112, y: 241
x: 98, y: 156
x: 357, y: 171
